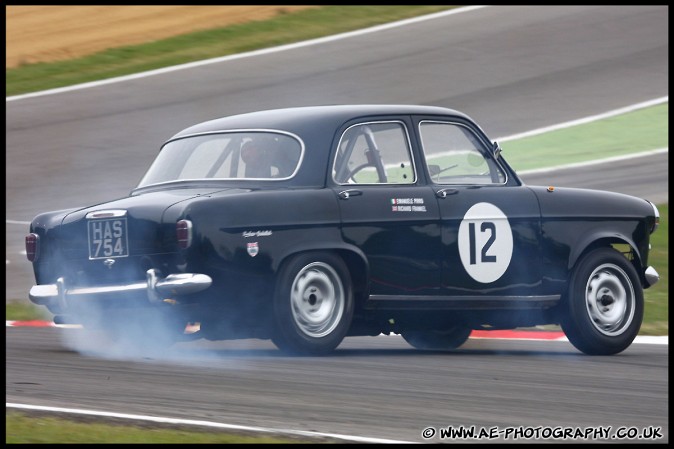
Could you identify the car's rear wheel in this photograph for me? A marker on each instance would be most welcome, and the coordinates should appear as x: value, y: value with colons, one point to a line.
x: 445, y: 339
x: 605, y: 303
x: 313, y: 304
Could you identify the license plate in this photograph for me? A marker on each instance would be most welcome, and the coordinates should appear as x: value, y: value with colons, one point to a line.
x: 108, y: 238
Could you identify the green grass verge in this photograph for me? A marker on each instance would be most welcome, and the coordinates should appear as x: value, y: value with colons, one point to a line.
x: 656, y: 313
x: 283, y: 29
x: 39, y: 429
x: 25, y: 311
x: 633, y: 132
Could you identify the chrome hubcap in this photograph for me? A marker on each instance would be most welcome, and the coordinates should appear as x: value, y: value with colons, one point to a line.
x: 317, y: 299
x: 610, y: 299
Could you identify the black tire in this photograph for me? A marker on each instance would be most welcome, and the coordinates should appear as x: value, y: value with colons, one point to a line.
x: 604, y: 303
x: 439, y: 340
x: 313, y: 304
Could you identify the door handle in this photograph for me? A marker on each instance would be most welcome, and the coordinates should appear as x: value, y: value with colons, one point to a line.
x: 346, y: 194
x: 442, y: 193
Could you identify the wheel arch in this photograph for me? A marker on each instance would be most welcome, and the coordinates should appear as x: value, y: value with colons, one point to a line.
x: 606, y: 240
x: 312, y: 316
x: 354, y: 259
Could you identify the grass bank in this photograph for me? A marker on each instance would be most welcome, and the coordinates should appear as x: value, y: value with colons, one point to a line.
x: 284, y: 29
x: 24, y: 428
x: 633, y: 132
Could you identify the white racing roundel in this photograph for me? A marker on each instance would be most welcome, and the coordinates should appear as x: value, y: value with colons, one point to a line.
x: 485, y: 242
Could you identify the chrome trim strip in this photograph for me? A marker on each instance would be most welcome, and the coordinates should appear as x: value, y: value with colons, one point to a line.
x: 401, y: 302
x: 656, y: 212
x: 109, y: 213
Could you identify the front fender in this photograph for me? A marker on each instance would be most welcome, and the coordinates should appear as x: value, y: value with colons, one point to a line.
x: 574, y: 220
x: 592, y: 239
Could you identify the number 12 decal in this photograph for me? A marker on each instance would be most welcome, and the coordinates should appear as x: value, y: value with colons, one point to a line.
x: 485, y: 226
x: 485, y: 242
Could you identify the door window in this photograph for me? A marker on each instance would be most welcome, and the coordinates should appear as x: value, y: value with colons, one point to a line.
x: 454, y: 155
x: 374, y: 153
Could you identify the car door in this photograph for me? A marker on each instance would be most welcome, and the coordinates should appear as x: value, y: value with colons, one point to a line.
x: 385, y: 211
x: 490, y: 221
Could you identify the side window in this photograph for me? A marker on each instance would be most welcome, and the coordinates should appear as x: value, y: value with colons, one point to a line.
x: 203, y: 157
x: 454, y: 155
x: 374, y: 153
x: 250, y: 155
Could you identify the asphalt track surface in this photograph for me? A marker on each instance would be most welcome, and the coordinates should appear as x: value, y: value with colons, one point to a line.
x: 513, y: 69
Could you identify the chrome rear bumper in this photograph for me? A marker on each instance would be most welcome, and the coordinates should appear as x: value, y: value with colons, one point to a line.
x: 156, y: 288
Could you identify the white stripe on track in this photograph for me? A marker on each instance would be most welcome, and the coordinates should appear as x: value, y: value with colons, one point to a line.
x: 593, y: 162
x: 648, y: 339
x: 213, y: 425
x: 589, y: 119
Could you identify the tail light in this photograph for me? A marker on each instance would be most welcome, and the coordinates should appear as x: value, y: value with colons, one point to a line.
x: 32, y: 247
x: 184, y: 233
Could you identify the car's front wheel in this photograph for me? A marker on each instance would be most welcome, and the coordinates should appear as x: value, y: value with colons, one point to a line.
x: 439, y: 340
x: 605, y: 303
x: 313, y: 304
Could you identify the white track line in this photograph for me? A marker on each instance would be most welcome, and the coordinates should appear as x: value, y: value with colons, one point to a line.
x: 648, y: 339
x: 214, y: 425
x: 582, y: 121
x: 264, y: 51
x: 593, y: 162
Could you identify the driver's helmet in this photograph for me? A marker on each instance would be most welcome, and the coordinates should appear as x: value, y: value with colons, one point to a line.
x: 256, y: 159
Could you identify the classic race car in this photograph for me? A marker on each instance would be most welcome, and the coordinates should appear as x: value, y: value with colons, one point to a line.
x: 306, y: 225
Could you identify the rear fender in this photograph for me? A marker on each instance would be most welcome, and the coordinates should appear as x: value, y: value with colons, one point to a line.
x: 355, y: 260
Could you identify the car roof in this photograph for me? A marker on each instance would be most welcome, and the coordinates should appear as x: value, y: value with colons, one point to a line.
x: 303, y: 118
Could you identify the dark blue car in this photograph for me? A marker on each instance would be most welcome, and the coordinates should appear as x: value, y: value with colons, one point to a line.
x: 307, y: 225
